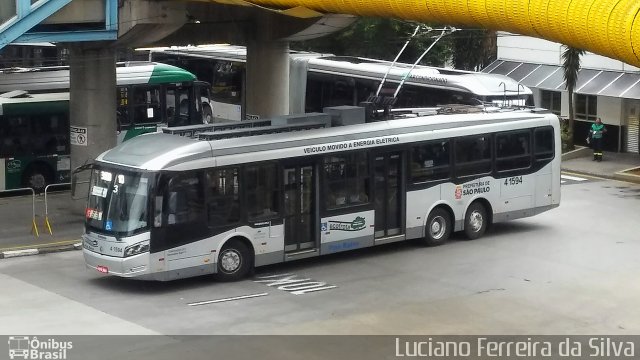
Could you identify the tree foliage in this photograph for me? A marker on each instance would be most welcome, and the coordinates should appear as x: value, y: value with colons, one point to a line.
x: 571, y: 67
x: 381, y: 38
x: 473, y: 49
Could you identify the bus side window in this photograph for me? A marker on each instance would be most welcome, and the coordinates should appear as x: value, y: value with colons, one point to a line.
x: 261, y: 191
x: 348, y: 180
x: 146, y: 104
x: 430, y: 162
x: 543, y: 143
x: 512, y: 150
x: 473, y: 155
x: 223, y: 207
x: 183, y: 200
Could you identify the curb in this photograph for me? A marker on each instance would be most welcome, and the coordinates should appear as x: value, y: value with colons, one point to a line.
x: 623, y: 176
x: 39, y: 251
x: 620, y: 176
x: 576, y: 153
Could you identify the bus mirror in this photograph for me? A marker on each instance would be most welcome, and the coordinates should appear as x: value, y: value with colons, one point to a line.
x: 74, y: 176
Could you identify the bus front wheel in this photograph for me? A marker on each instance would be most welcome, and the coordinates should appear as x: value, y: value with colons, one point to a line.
x: 438, y: 227
x: 475, y: 221
x: 233, y: 261
x: 37, y: 177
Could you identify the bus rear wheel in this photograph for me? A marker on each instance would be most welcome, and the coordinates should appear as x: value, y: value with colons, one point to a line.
x: 233, y: 261
x: 207, y: 114
x: 37, y: 177
x: 475, y: 221
x: 438, y: 227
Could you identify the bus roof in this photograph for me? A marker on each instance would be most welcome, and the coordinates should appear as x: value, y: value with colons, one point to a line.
x: 372, y: 69
x: 170, y: 152
x: 27, y: 104
x: 57, y: 78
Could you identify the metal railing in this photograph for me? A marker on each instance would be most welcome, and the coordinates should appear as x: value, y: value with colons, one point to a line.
x: 47, y: 223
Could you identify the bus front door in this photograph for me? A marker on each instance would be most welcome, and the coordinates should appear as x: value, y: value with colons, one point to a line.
x: 299, y: 209
x: 388, y: 195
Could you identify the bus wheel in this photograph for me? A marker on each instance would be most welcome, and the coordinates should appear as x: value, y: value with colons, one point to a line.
x: 207, y: 114
x: 36, y: 177
x: 475, y: 221
x: 438, y: 227
x: 233, y: 261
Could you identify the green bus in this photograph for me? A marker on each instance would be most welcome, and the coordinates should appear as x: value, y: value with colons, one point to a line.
x: 34, y: 141
x: 34, y: 113
x: 149, y: 94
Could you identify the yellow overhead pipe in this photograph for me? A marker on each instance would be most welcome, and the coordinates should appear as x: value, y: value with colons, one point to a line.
x: 606, y: 27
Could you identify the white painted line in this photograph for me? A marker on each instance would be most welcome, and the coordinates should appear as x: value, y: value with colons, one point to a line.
x: 16, y: 253
x: 574, y: 178
x: 562, y: 181
x: 227, y: 299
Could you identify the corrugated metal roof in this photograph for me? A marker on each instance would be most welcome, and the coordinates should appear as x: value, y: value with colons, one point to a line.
x: 590, y: 81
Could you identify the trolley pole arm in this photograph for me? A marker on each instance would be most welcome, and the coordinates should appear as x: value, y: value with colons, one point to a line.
x: 396, y: 59
x: 406, y: 76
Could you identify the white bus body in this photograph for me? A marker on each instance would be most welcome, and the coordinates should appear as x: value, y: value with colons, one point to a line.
x: 320, y: 80
x: 194, y: 207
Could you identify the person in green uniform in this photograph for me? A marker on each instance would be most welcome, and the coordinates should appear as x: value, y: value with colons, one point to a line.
x: 595, y: 133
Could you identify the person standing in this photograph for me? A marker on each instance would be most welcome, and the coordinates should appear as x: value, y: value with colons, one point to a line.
x: 595, y: 133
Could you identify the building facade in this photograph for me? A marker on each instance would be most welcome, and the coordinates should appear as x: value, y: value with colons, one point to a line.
x: 606, y: 88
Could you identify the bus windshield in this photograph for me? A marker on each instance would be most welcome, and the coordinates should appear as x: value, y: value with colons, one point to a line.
x: 118, y: 202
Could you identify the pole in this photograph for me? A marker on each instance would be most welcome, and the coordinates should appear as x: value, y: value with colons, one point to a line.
x: 396, y: 59
x: 418, y: 61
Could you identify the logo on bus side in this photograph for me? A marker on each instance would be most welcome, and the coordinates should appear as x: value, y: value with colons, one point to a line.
x: 357, y: 224
x: 458, y: 192
x: 475, y: 188
x: 13, y: 165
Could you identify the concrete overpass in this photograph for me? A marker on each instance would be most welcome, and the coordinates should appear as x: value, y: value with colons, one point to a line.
x: 98, y: 27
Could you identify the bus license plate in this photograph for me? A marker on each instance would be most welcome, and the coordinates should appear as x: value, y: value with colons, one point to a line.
x: 102, y: 269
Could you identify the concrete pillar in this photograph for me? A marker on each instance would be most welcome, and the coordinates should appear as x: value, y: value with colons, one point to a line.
x: 267, y: 78
x: 92, y: 107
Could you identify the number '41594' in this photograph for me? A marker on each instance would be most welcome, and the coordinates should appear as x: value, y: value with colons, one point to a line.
x: 515, y: 180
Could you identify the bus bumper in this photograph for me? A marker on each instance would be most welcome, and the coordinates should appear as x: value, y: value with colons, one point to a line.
x: 133, y: 266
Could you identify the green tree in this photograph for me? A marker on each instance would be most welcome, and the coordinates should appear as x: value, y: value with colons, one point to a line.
x: 473, y: 49
x: 381, y: 38
x: 571, y: 67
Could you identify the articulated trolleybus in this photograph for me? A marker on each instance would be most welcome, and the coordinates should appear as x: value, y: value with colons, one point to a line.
x: 164, y: 206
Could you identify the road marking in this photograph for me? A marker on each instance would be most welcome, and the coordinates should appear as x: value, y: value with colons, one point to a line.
x: 227, y: 299
x: 574, y: 178
x: 293, y: 285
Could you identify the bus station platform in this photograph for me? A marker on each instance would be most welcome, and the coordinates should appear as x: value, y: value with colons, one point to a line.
x: 18, y: 237
x: 613, y: 165
x: 18, y: 234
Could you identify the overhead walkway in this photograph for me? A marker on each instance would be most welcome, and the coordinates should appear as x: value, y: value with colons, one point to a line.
x: 22, y: 22
x: 606, y: 27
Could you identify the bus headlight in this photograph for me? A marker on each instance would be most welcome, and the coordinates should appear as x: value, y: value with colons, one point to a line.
x: 136, y: 249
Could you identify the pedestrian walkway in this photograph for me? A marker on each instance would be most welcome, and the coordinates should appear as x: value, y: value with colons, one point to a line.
x: 611, y: 165
x: 17, y: 232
